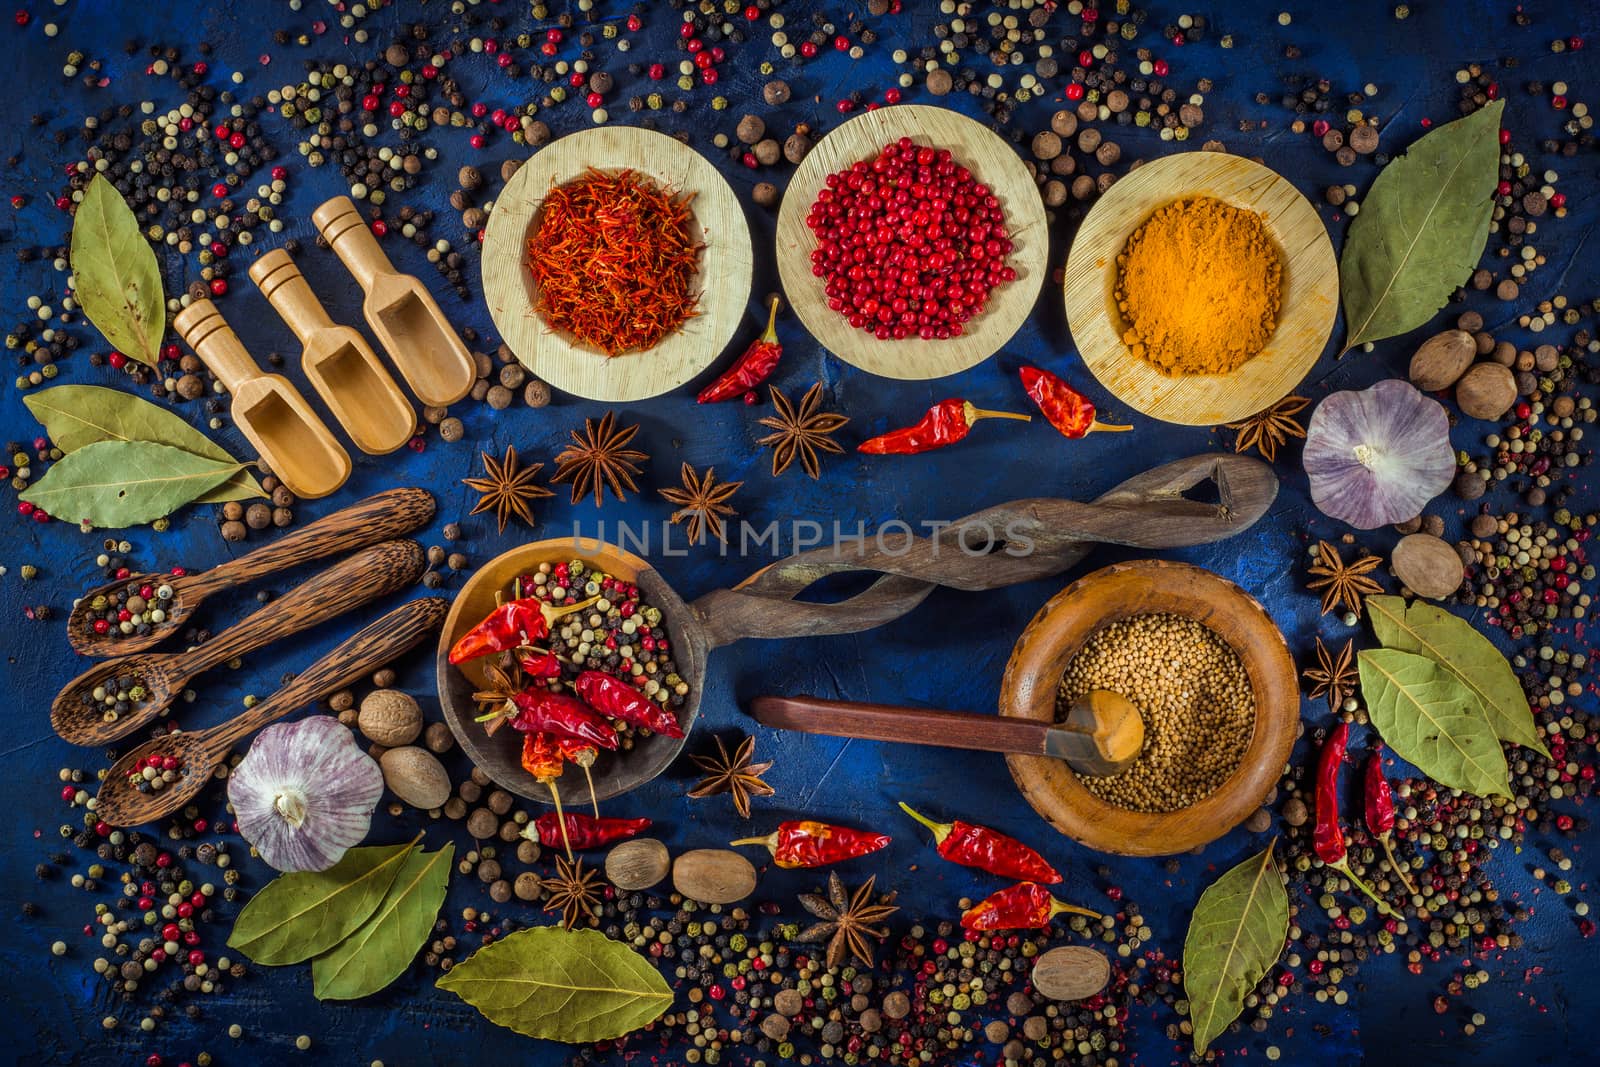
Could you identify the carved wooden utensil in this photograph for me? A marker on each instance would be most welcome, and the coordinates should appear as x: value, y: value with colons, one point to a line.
x: 380, y: 517
x: 200, y: 752
x: 365, y: 576
x: 1102, y: 734
x: 270, y: 411
x: 341, y: 366
x: 431, y: 356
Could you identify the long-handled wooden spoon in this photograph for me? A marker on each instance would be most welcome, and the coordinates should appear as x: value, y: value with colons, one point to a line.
x: 199, y: 752
x: 386, y: 515
x: 365, y: 576
x: 1103, y: 733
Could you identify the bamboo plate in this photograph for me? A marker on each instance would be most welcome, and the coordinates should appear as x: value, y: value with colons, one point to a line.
x: 994, y: 162
x: 1310, y: 289
x: 723, y: 279
x: 1059, y: 630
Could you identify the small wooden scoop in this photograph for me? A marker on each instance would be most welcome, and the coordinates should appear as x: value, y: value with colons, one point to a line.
x: 380, y: 517
x: 337, y: 360
x: 365, y: 576
x: 1103, y: 733
x: 200, y: 752
x: 271, y: 412
x: 400, y: 310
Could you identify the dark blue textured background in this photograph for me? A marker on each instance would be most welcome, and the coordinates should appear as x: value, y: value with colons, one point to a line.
x: 1543, y: 1000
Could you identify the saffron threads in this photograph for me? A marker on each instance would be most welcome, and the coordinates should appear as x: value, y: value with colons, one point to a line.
x: 614, y: 256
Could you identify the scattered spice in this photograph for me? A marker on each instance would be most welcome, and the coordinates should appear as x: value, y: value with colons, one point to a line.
x: 599, y: 459
x: 1266, y: 430
x: 1334, y: 676
x: 944, y: 424
x: 575, y: 892
x: 1068, y: 410
x: 1341, y: 582
x: 702, y: 504
x: 806, y: 843
x: 801, y: 432
x: 1328, y: 837
x: 507, y: 488
x: 848, y: 921
x: 987, y: 850
x: 1024, y: 906
x: 738, y: 775
x: 753, y: 367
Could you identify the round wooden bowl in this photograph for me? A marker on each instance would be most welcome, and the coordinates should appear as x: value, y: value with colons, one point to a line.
x: 1059, y: 630
x: 1310, y: 289
x: 994, y: 162
x: 723, y: 279
x: 500, y: 754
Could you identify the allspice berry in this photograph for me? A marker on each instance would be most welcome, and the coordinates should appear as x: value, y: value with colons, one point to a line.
x: 940, y: 81
x: 751, y: 129
x: 775, y: 92
x: 451, y: 429
x: 768, y: 152
x: 233, y: 531
x: 1486, y: 391
x: 765, y: 194
x: 469, y: 177
x: 536, y: 394
x: 1064, y: 123
x: 797, y: 147
x: 1046, y: 145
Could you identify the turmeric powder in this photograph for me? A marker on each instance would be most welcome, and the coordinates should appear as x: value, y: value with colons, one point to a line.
x: 1198, y: 286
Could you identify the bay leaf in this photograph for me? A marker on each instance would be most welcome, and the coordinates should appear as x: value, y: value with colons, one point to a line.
x: 381, y: 948
x: 1432, y: 720
x: 1422, y: 228
x: 577, y: 986
x: 115, y: 275
x: 1236, y: 934
x: 113, y: 484
x: 305, y: 913
x: 1456, y: 645
x: 78, y: 415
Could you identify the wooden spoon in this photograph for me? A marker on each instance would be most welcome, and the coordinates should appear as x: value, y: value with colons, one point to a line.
x: 400, y: 310
x: 365, y: 576
x: 1102, y: 735
x: 200, y: 752
x: 377, y: 518
x: 337, y: 360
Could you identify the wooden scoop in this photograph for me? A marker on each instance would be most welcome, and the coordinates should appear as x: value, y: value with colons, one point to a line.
x: 273, y: 415
x: 337, y: 360
x: 400, y: 310
x: 199, y: 753
x: 380, y: 517
x: 1103, y: 733
x: 365, y: 576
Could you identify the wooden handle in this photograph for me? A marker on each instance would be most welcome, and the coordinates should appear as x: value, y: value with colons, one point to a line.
x: 347, y: 233
x: 365, y: 576
x: 290, y: 295
x: 399, y: 630
x: 915, y: 726
x: 381, y: 517
x: 203, y: 329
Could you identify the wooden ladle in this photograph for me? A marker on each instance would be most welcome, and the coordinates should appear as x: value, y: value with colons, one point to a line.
x: 430, y: 354
x: 271, y: 413
x: 380, y: 517
x: 365, y: 576
x: 337, y: 360
x: 199, y: 752
x: 1102, y: 734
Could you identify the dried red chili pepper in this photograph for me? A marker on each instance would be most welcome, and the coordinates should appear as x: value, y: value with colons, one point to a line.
x: 541, y: 757
x: 986, y: 849
x: 750, y: 369
x: 946, y: 422
x: 1066, y: 409
x: 1024, y: 906
x: 1327, y: 837
x: 511, y: 625
x: 616, y: 698
x: 585, y: 831
x: 1378, y: 799
x: 804, y: 843
x: 538, y: 664
x: 561, y: 716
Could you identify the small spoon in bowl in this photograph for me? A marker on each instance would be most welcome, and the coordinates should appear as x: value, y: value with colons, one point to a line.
x: 198, y: 753
x: 378, y: 518
x: 79, y: 717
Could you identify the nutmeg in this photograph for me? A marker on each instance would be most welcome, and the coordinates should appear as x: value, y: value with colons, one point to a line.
x: 390, y: 717
x: 416, y: 777
x: 1486, y: 391
x: 1428, y: 565
x: 1442, y: 360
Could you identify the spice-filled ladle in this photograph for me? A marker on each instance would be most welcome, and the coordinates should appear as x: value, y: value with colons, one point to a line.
x: 271, y: 413
x: 400, y: 310
x: 381, y: 517
x: 337, y: 360
x: 378, y: 571
x: 1102, y: 734
x: 198, y: 753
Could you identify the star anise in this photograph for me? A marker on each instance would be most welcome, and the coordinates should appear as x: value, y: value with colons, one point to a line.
x: 1341, y: 582
x: 850, y: 921
x: 1334, y: 676
x: 574, y: 892
x: 801, y: 432
x: 736, y: 775
x: 501, y: 681
x: 702, y: 503
x: 1266, y: 430
x: 599, y: 458
x: 507, y: 488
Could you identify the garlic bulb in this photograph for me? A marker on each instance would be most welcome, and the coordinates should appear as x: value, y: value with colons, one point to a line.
x: 304, y: 793
x: 1377, y: 456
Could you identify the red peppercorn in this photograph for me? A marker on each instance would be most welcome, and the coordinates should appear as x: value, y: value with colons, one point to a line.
x: 196, y: 958
x: 1075, y: 91
x: 1505, y: 136
x: 1558, y: 102
x: 1160, y: 68
x: 841, y: 43
x: 695, y: 46
x: 476, y: 140
x: 171, y: 932
x: 709, y: 76
x: 634, y: 23
x: 657, y: 71
x: 594, y: 100
x: 752, y: 12
x: 22, y: 18
x: 69, y: 793
x: 1558, y: 200
x: 219, y: 286
x: 163, y: 859
x: 219, y: 190
x: 1575, y: 44
x: 808, y: 49
x: 1503, y: 189
x: 844, y: 107
x: 891, y: 96
x: 1492, y: 92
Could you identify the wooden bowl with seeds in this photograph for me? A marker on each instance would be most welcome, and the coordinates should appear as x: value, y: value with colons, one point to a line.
x: 1127, y: 591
